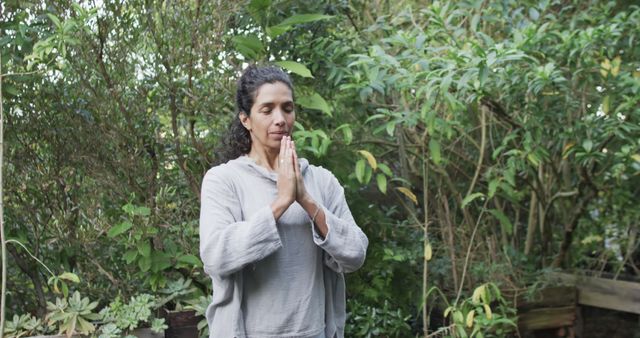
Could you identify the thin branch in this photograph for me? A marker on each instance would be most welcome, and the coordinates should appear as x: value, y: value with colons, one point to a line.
x: 466, y: 260
x: 425, y: 272
x: 449, y: 238
x: 101, y: 269
x: 442, y: 331
x: 32, y: 256
x: 483, y: 143
x: 21, y: 74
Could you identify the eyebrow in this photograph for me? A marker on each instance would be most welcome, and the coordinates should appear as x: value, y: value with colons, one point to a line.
x: 271, y: 104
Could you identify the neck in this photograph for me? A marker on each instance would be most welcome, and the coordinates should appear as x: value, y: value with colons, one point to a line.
x: 265, y: 158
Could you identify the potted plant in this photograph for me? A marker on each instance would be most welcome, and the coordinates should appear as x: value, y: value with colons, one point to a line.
x: 200, y: 305
x: 181, y: 320
x: 124, y: 319
x: 75, y: 317
x: 22, y: 326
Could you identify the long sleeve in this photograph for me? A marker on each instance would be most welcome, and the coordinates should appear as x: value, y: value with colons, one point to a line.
x: 227, y: 242
x: 345, y: 244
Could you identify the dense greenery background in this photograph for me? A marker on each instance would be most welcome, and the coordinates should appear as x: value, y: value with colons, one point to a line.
x: 497, y: 139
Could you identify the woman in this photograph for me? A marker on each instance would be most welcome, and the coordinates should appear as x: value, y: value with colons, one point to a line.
x: 276, y: 234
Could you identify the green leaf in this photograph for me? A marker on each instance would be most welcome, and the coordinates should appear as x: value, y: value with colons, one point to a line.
x: 119, y: 229
x: 250, y: 45
x: 189, y: 259
x: 374, y: 117
x: 458, y: 318
x: 510, y: 174
x: 493, y: 187
x: 142, y: 211
x: 65, y: 289
x: 145, y: 249
x: 129, y: 208
x: 275, y: 31
x: 160, y: 261
x: 434, y: 149
x: 72, y: 277
x: 55, y: 20
x: 324, y: 146
x: 470, y: 198
x: 304, y: 18
x: 10, y: 89
x: 533, y: 159
x: 391, y: 127
x: 587, y: 145
x: 360, y: 166
x: 504, y: 221
x: 130, y: 256
x: 385, y: 169
x: 315, y: 101
x: 483, y: 74
x: 258, y: 9
x: 382, y: 182
x: 346, y: 133
x: 461, y: 331
x: 368, y: 173
x: 84, y: 326
x: 259, y: 5
x: 295, y: 67
x: 287, y: 24
x: 606, y: 104
x: 534, y: 14
x: 144, y: 263
x: 474, y: 22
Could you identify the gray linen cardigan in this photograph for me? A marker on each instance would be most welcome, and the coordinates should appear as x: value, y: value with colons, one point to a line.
x: 230, y: 239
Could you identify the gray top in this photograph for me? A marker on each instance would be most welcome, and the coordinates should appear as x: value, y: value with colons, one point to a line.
x: 275, y: 279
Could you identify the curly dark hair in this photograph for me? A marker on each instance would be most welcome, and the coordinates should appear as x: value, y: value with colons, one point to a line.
x: 237, y: 141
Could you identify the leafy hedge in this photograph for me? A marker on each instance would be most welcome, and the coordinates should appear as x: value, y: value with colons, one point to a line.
x: 481, y: 143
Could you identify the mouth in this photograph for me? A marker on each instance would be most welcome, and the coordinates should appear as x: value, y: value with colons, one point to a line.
x: 280, y: 133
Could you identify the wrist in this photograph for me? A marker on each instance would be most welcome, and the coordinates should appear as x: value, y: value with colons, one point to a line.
x: 308, y: 202
x: 279, y: 206
x: 282, y: 202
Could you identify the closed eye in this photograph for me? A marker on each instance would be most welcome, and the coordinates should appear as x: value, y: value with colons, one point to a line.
x: 289, y: 108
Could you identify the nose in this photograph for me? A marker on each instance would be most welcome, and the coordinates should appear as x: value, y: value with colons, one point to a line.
x: 278, y: 117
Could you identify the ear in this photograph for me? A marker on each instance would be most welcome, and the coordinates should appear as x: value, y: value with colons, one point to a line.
x: 245, y: 120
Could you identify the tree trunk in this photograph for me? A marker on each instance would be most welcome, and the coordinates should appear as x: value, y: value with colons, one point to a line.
x: 569, y: 228
x: 531, y: 225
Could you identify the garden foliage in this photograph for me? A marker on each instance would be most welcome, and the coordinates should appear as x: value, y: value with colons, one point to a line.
x: 480, y: 143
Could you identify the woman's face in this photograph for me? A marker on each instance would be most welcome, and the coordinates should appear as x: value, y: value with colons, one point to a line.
x: 272, y: 117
